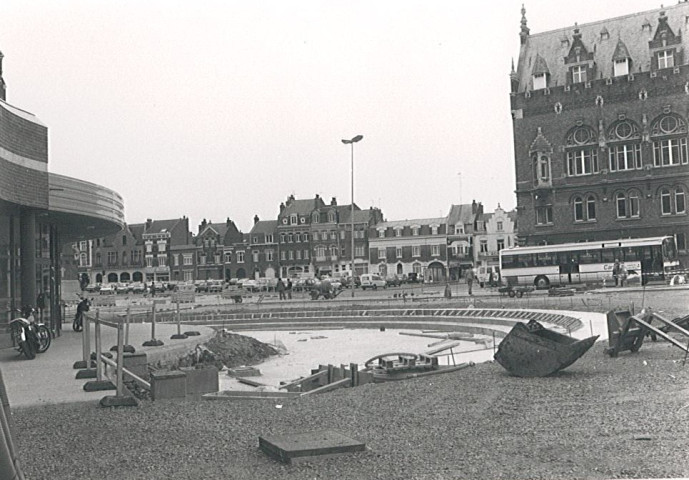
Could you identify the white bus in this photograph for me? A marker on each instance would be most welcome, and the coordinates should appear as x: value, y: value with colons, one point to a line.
x: 649, y: 259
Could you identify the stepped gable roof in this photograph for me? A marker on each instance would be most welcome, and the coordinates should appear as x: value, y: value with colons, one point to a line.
x: 629, y: 29
x: 460, y: 214
x: 412, y: 222
x: 264, y: 226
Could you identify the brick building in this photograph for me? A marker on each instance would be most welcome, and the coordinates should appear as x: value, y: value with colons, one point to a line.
x: 213, y: 242
x: 600, y: 129
x: 404, y: 247
x: 495, y: 230
x: 294, y: 235
x: 264, y: 248
x: 461, y: 226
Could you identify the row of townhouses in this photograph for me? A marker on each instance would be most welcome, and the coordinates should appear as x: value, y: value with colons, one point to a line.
x: 310, y: 237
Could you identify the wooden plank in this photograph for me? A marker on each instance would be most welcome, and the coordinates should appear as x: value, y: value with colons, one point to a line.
x: 661, y: 334
x: 441, y: 348
x: 670, y: 323
x: 345, y: 382
x: 252, y: 383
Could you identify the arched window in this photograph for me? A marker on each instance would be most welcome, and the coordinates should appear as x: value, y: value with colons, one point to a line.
x: 331, y: 216
x: 673, y: 201
x: 669, y: 135
x: 584, y: 209
x: 315, y: 217
x: 621, y: 203
x: 582, y: 151
x: 624, y: 146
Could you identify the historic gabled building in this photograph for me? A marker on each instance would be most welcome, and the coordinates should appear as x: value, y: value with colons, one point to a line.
x: 363, y: 220
x: 211, y: 242
x: 115, y: 258
x: 497, y: 230
x: 461, y: 226
x: 600, y: 117
x: 264, y: 248
x: 294, y: 236
x: 158, y: 236
x: 403, y: 247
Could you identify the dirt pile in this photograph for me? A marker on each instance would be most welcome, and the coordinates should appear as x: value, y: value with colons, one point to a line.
x: 228, y: 350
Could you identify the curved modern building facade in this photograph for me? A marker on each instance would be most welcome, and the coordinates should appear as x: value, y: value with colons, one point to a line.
x: 40, y: 212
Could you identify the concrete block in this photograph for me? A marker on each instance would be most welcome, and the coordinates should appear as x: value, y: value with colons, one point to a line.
x: 309, y: 446
x: 167, y: 385
x: 201, y: 380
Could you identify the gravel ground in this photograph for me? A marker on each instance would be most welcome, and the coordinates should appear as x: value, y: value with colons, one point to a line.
x: 626, y: 417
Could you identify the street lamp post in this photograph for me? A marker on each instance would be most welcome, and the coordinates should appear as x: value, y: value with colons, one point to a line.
x: 352, y: 142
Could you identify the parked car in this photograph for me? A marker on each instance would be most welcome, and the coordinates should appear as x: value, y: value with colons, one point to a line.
x: 249, y: 285
x: 93, y: 287
x: 122, y: 288
x: 393, y: 281
x: 349, y: 282
x: 214, y: 286
x: 488, y: 275
x: 138, y: 287
x: 201, y: 286
x: 107, y: 289
x: 373, y: 281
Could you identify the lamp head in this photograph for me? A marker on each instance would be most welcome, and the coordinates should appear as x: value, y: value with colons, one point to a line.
x: 353, y: 140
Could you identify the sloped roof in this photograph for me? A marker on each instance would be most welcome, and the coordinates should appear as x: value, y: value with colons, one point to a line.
x: 629, y: 29
x: 460, y: 214
x: 540, y: 143
x: 156, y: 226
x: 412, y: 222
x: 264, y: 226
x: 539, y: 66
x: 303, y: 207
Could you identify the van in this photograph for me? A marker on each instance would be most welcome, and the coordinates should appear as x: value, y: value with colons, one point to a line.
x: 371, y: 280
x: 488, y: 275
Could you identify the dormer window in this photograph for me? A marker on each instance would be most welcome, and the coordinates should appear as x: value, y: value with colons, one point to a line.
x: 293, y: 219
x: 621, y: 67
x: 331, y: 217
x: 578, y: 74
x: 434, y: 230
x: 414, y: 230
x: 539, y: 81
x: 381, y: 233
x: 398, y: 232
x: 666, y: 59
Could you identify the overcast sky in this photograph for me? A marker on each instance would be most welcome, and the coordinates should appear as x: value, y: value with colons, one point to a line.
x: 221, y: 109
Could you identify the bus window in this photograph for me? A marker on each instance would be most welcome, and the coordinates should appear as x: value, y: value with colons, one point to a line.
x: 545, y: 259
x: 589, y: 256
x: 608, y: 255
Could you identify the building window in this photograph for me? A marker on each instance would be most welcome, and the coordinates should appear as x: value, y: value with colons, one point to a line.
x: 298, y: 254
x: 483, y: 246
x: 578, y: 210
x: 269, y: 255
x: 331, y: 217
x: 398, y: 232
x: 681, y: 240
x: 315, y: 217
x: 544, y: 215
x: 293, y: 219
x: 680, y: 206
x: 634, y: 205
x: 590, y: 208
x: 112, y: 258
x: 621, y: 203
x: 255, y: 239
x: 343, y: 234
x: 415, y: 251
x: 269, y: 238
x: 666, y: 59
x: 584, y: 209
x: 665, y: 202
x: 435, y: 250
x: 306, y: 256
x: 381, y: 233
x: 381, y: 254
x: 621, y: 67
x: 669, y: 134
x: 578, y: 74
x: 501, y: 244
x: 582, y: 162
x: 625, y: 157
x: 282, y: 238
x: 398, y: 252
x: 283, y: 255
x: 187, y: 259
x: 290, y: 255
x: 499, y: 226
x: 162, y: 261
x: 434, y: 230
x: 175, y: 260
x: 297, y: 237
x: 254, y: 256
x: 539, y: 81
x: 414, y: 230
x: 240, y: 257
x: 324, y: 235
x: 149, y: 262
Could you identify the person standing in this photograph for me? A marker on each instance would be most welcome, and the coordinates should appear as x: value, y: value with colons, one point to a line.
x: 288, y: 288
x: 622, y: 274
x: 281, y: 289
x: 471, y: 276
x: 616, y: 272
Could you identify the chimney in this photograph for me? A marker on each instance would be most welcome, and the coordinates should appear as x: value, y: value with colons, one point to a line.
x: 317, y: 196
x: 255, y: 219
x: 473, y: 206
x: 333, y: 201
x: 282, y: 208
x: 149, y: 222
x: 202, y: 225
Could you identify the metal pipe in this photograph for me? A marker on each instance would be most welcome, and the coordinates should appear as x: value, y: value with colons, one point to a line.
x: 99, y: 367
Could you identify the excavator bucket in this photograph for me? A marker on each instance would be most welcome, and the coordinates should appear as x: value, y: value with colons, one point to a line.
x: 531, y: 350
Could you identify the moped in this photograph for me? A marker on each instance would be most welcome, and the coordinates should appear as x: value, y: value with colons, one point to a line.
x: 30, y: 337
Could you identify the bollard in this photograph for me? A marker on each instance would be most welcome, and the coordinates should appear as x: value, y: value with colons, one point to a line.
x: 179, y: 335
x: 153, y: 342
